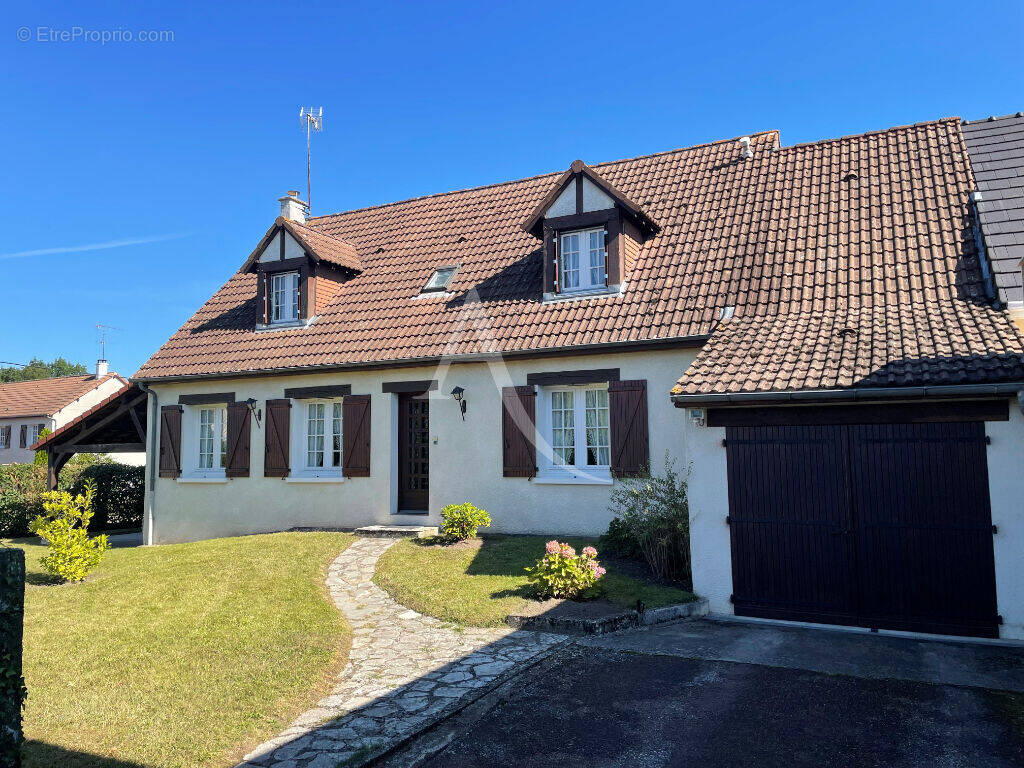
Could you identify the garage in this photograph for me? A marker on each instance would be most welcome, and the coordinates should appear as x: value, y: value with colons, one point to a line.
x: 875, y: 516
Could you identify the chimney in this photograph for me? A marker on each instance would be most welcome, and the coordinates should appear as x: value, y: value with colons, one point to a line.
x: 747, y: 151
x: 101, y: 368
x: 292, y: 207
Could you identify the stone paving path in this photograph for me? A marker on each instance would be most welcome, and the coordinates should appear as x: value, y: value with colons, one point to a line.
x: 405, y: 671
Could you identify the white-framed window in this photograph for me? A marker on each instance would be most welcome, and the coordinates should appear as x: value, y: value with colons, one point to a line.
x: 205, y: 441
x: 316, y: 451
x: 5, y: 437
x: 574, y: 434
x: 283, y: 292
x: 34, y: 430
x: 581, y: 260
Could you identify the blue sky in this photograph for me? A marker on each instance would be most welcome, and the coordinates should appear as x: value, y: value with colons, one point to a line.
x: 171, y: 155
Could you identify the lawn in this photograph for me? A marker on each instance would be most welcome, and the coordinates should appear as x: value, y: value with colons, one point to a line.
x: 481, y: 585
x: 180, y: 655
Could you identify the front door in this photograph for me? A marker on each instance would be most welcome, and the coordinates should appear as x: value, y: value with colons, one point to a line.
x: 413, y: 452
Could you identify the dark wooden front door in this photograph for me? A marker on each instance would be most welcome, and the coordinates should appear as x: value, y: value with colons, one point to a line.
x: 882, y: 525
x: 413, y: 451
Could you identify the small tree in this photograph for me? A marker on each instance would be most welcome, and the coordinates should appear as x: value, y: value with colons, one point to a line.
x: 655, y: 512
x: 64, y: 527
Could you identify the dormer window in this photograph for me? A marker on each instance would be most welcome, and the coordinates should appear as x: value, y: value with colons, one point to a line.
x: 592, y: 235
x: 299, y: 270
x: 439, y: 280
x: 284, y: 297
x: 581, y: 262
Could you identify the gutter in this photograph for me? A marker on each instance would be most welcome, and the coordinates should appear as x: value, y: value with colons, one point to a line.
x: 797, y: 397
x: 151, y: 460
x: 475, y: 357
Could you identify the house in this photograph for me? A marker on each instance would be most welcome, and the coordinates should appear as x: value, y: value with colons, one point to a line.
x: 820, y: 332
x: 29, y: 407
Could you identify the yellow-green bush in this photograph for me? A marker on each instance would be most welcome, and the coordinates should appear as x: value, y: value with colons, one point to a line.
x: 64, y: 526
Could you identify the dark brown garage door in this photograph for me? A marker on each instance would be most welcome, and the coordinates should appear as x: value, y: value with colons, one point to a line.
x: 879, y: 525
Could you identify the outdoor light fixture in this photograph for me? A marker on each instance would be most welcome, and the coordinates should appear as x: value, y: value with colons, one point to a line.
x: 458, y: 393
x: 257, y: 414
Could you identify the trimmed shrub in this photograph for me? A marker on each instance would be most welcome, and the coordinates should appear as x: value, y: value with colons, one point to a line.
x: 654, y: 512
x: 563, y: 573
x: 460, y: 521
x: 120, y: 493
x: 64, y: 526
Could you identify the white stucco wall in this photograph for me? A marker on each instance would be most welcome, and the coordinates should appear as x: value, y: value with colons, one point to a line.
x: 709, y: 505
x: 15, y: 454
x: 465, y: 456
x: 1006, y: 489
x: 710, y: 552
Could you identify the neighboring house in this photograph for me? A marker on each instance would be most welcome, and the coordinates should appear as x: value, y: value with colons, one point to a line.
x: 29, y: 407
x: 515, y: 346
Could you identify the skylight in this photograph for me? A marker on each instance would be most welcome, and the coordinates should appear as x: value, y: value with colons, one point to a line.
x: 439, y: 280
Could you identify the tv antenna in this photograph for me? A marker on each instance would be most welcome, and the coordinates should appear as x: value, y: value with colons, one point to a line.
x: 312, y: 119
x: 103, y: 329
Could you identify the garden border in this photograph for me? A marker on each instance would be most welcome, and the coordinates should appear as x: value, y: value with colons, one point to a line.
x: 568, y: 625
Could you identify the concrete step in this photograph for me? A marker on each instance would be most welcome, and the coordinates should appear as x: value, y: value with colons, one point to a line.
x: 397, y: 531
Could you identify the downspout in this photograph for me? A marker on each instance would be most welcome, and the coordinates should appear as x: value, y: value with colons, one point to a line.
x: 152, y: 459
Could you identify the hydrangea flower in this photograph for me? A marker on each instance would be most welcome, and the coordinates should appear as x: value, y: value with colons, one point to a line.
x: 568, y: 551
x: 552, y: 547
x: 600, y: 571
x: 590, y: 552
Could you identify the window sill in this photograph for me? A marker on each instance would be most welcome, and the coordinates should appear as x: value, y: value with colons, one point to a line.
x: 290, y: 325
x: 574, y: 477
x: 314, y: 479
x: 202, y: 479
x: 595, y: 293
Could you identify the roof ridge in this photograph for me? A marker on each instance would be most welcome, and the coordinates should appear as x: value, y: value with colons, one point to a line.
x: 536, y: 176
x: 877, y: 132
x: 992, y: 118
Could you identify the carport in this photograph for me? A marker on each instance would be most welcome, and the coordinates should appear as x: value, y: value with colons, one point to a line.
x: 116, y: 425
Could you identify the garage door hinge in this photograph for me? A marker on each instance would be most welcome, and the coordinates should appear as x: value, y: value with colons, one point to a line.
x: 995, y: 529
x: 724, y: 442
x: 728, y: 520
x: 988, y: 439
x: 999, y: 619
x: 732, y: 598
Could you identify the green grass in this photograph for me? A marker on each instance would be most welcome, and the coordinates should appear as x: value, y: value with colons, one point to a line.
x: 181, y: 655
x: 480, y: 587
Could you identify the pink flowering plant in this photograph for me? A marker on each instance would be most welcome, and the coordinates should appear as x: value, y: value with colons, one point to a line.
x: 561, y: 572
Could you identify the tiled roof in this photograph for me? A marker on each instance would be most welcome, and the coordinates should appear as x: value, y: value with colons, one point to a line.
x: 845, y: 225
x: 996, y: 149
x: 885, y: 345
x: 44, y: 397
x: 323, y: 246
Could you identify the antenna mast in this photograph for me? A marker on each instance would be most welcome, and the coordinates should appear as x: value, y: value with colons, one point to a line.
x: 103, y: 338
x: 312, y: 119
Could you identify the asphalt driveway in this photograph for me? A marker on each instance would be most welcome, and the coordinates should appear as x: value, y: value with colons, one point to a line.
x: 594, y: 704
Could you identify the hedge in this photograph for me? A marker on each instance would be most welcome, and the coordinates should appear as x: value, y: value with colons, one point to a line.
x: 120, y: 492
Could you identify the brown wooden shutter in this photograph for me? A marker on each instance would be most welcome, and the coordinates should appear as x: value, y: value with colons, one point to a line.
x: 275, y: 457
x: 170, y: 441
x: 355, y: 427
x: 518, y: 431
x: 627, y: 405
x: 24, y: 435
x: 239, y: 428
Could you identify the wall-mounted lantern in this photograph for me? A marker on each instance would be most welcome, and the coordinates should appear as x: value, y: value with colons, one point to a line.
x: 459, y: 394
x: 256, y: 414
